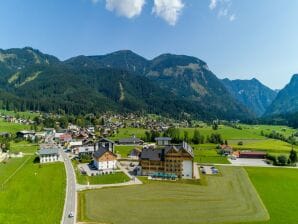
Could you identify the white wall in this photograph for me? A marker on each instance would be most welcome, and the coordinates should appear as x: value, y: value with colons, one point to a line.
x: 49, y: 158
x: 105, y: 165
x: 187, y: 169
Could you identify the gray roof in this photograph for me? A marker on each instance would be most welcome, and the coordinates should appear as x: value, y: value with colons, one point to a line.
x: 159, y: 154
x: 151, y: 154
x: 105, y: 140
x: 163, y: 139
x: 48, y: 151
x: 130, y: 140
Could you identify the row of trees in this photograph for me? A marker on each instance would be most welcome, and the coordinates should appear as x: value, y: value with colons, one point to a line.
x: 283, y: 160
x: 178, y: 136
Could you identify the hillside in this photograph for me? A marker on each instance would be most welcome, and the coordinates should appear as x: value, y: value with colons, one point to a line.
x: 286, y: 100
x: 122, y: 81
x: 251, y: 93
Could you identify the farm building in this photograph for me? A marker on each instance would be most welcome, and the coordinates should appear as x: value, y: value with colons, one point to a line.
x: 169, y: 160
x: 252, y: 154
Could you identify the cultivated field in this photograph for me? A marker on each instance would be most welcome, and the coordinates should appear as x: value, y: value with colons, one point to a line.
x: 31, y: 193
x: 278, y: 189
x: 227, y: 198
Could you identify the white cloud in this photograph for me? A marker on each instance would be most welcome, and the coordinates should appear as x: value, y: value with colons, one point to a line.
x: 223, y: 9
x: 213, y: 4
x: 169, y: 10
x: 232, y: 17
x: 126, y: 8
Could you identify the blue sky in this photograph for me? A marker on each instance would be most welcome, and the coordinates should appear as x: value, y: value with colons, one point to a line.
x: 237, y: 38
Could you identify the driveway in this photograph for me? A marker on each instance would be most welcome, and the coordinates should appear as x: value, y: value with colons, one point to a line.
x: 249, y: 162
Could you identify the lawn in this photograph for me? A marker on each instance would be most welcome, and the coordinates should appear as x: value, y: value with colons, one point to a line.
x: 209, y: 157
x: 12, y: 127
x: 35, y: 194
x: 278, y: 190
x: 124, y: 150
x: 129, y: 132
x: 117, y: 177
x: 23, y: 146
x: 227, y: 198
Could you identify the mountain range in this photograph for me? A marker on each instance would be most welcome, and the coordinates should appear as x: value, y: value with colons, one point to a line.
x: 171, y: 85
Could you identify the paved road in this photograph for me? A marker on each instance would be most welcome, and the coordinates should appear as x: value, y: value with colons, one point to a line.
x: 71, y: 196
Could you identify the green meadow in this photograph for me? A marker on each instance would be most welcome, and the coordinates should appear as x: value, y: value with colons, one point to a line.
x: 31, y: 193
x: 129, y: 132
x: 277, y: 188
x: 12, y: 127
x: 24, y: 147
x: 230, y: 196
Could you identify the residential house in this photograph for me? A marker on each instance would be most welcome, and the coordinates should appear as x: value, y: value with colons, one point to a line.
x: 226, y: 150
x: 87, y: 148
x: 162, y: 141
x: 135, y: 154
x: 106, y: 143
x: 26, y: 134
x: 131, y: 141
x: 48, y: 155
x: 105, y: 160
x: 172, y: 160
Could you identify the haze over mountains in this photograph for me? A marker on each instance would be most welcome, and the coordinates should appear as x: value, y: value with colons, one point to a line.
x: 172, y: 85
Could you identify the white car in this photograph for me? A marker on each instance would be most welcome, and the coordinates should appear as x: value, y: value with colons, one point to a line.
x: 70, y: 215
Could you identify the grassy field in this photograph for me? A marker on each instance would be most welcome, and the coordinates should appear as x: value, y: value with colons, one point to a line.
x: 12, y: 127
x: 267, y: 129
x: 230, y: 196
x: 269, y: 145
x: 226, y: 133
x: 278, y: 190
x: 34, y: 194
x: 209, y: 156
x: 23, y: 114
x: 129, y: 132
x: 118, y: 177
x: 124, y: 150
x: 23, y: 146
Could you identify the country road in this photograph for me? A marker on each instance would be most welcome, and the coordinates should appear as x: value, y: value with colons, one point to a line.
x: 71, y: 195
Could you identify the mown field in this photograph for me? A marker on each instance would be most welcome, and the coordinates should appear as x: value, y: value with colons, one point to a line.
x: 278, y: 189
x: 230, y: 196
x: 129, y: 132
x: 12, y: 127
x: 24, y: 147
x: 34, y: 194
